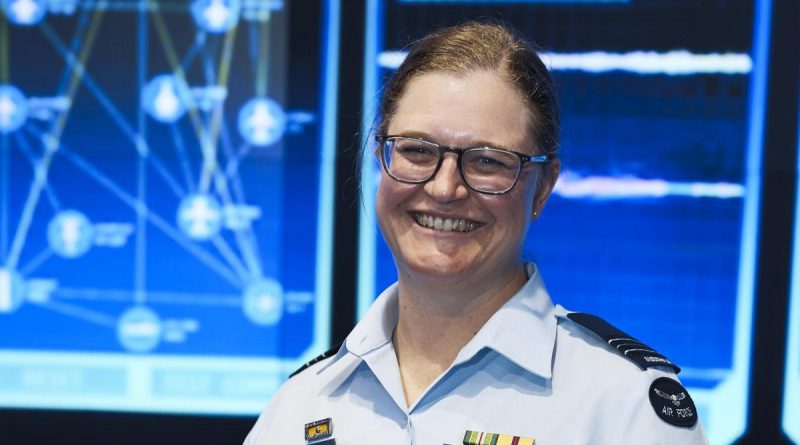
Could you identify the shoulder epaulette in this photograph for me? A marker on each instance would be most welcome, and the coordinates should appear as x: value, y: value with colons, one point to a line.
x: 329, y: 353
x: 629, y: 347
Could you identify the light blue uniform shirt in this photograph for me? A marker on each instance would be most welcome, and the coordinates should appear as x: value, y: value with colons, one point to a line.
x: 528, y: 372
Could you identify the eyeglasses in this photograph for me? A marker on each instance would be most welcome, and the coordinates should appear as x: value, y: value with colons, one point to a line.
x: 484, y: 169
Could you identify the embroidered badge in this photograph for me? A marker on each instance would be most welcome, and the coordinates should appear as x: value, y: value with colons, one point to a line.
x: 480, y: 438
x: 319, y: 429
x: 672, y: 402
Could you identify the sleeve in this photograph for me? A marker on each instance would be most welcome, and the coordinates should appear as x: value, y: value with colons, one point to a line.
x: 264, y: 429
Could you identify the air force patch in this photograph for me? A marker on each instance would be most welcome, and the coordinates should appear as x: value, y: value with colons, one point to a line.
x: 672, y: 402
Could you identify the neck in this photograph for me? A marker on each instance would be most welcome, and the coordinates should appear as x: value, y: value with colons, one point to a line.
x: 434, y: 324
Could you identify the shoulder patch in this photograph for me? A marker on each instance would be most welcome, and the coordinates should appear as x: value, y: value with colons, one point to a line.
x: 329, y: 353
x: 632, y: 349
x: 672, y: 403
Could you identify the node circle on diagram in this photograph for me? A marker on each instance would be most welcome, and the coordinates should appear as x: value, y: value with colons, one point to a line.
x: 262, y: 122
x: 200, y: 216
x: 70, y: 234
x: 164, y: 98
x: 263, y: 302
x: 24, y: 12
x: 216, y: 16
x: 12, y: 291
x: 139, y: 329
x: 13, y: 108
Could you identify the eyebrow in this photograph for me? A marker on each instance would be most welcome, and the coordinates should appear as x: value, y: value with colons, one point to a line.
x: 474, y: 144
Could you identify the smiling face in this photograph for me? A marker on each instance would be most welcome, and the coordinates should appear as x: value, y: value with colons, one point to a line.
x: 441, y: 229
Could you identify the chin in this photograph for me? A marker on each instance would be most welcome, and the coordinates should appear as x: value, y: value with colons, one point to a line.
x: 442, y: 267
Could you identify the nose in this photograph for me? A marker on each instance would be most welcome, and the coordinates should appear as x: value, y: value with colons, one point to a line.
x: 447, y: 185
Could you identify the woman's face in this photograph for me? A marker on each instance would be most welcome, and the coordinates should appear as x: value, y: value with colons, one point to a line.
x: 477, y: 109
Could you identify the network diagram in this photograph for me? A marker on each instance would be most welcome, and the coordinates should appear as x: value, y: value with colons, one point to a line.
x: 211, y: 218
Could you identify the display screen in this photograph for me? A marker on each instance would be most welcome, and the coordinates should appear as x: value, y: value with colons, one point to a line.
x: 791, y: 393
x: 165, y: 202
x: 651, y: 224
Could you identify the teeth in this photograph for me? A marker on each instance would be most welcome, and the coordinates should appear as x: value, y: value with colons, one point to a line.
x: 445, y: 224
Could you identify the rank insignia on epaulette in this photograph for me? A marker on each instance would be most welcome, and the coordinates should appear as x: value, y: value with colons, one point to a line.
x: 319, y: 429
x: 327, y: 354
x: 634, y: 350
x: 481, y: 438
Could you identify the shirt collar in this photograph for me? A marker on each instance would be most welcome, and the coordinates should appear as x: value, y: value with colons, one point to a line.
x: 523, y: 330
x: 377, y: 326
x: 371, y: 333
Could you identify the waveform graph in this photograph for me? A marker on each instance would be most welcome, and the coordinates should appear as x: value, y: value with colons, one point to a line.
x: 144, y: 180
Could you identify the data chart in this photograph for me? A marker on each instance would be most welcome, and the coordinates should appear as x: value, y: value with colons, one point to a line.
x: 165, y: 199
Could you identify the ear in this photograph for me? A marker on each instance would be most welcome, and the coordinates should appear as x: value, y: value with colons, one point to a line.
x: 546, y: 188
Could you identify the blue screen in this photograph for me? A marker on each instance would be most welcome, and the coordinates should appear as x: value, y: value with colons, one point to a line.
x: 165, y: 204
x: 652, y: 222
x: 791, y: 393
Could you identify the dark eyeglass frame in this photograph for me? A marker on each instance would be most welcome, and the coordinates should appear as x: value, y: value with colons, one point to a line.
x: 459, y: 151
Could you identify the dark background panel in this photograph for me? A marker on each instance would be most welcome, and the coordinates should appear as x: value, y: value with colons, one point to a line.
x: 37, y: 426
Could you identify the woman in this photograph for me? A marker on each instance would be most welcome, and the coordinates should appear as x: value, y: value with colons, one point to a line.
x: 467, y: 347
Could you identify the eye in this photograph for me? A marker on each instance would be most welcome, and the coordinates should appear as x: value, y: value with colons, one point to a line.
x: 415, y: 150
x: 490, y: 160
x: 412, y: 149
